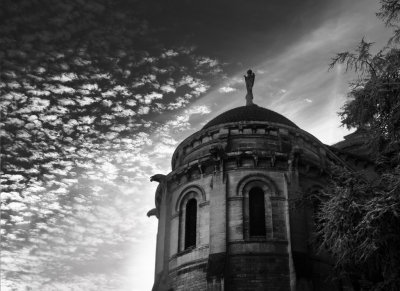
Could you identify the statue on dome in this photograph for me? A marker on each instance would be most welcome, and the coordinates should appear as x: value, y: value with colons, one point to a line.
x: 249, y: 86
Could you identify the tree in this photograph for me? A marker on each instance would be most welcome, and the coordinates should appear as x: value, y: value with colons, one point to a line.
x: 358, y: 219
x: 359, y: 224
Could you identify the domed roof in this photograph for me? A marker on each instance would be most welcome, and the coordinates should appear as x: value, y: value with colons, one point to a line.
x: 250, y: 113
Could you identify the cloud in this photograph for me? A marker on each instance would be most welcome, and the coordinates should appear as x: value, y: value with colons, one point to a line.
x: 90, y: 113
x: 79, y: 143
x: 226, y: 89
x: 207, y: 61
x: 169, y: 53
x: 168, y: 88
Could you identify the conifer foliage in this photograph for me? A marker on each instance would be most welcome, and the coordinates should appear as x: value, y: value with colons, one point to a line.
x: 358, y: 219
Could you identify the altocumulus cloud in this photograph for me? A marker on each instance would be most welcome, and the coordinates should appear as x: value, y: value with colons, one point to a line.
x: 95, y: 97
x: 79, y: 97
x: 226, y: 89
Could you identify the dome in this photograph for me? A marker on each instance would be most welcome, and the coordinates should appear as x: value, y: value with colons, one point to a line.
x: 250, y: 113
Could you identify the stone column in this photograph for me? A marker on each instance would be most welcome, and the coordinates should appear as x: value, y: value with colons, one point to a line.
x: 217, y: 257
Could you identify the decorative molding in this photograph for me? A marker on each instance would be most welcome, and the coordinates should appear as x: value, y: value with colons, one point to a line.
x: 252, y: 241
x: 188, y: 267
x: 216, y: 135
x: 277, y: 198
x: 236, y: 198
x: 258, y: 177
x: 205, y: 203
x: 188, y: 250
x: 175, y: 215
x: 190, y: 188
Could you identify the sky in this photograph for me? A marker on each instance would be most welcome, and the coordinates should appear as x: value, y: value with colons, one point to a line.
x: 97, y: 94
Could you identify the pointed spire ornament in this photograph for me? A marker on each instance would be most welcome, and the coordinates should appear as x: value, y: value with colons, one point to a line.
x: 249, y: 86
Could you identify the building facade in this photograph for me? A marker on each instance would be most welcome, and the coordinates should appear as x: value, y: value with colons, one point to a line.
x: 230, y: 213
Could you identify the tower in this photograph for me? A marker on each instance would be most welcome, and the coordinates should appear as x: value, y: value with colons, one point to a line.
x: 227, y: 213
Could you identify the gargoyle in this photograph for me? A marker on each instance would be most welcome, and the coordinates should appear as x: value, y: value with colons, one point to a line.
x: 158, y: 178
x: 152, y: 212
x: 161, y: 179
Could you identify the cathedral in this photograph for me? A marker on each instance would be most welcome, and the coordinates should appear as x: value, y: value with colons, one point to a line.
x: 230, y: 213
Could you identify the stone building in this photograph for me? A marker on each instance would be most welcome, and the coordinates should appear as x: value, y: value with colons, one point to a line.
x: 228, y: 212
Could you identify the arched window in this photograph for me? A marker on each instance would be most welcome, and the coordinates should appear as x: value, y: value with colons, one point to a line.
x: 190, y: 223
x: 257, y: 212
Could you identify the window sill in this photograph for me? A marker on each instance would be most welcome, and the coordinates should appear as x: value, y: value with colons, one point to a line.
x: 259, y: 240
x: 186, y: 251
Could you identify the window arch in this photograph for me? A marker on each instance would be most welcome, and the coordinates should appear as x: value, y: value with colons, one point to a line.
x: 256, y: 212
x: 190, y: 223
x: 188, y: 207
x: 263, y: 208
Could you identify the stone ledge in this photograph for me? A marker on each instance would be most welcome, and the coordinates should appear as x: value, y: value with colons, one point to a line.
x: 188, y: 267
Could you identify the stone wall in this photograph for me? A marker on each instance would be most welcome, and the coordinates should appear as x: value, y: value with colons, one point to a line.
x: 218, y: 167
x: 258, y: 272
x: 192, y: 278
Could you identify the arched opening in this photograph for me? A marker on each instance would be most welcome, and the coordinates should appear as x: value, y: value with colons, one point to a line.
x: 257, y: 212
x: 190, y: 223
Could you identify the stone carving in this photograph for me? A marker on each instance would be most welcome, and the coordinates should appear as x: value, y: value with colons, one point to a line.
x: 200, y: 167
x: 162, y: 179
x: 294, y: 159
x: 249, y: 86
x: 217, y: 151
x: 218, y: 154
x: 158, y: 178
x: 273, y: 159
x: 255, y: 155
x: 152, y: 212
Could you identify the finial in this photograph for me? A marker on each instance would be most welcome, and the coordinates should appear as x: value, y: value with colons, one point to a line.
x: 249, y: 86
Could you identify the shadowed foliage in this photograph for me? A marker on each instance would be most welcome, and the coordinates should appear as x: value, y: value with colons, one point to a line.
x: 359, y: 219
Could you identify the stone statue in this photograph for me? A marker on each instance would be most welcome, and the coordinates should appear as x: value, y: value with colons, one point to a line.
x: 249, y: 86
